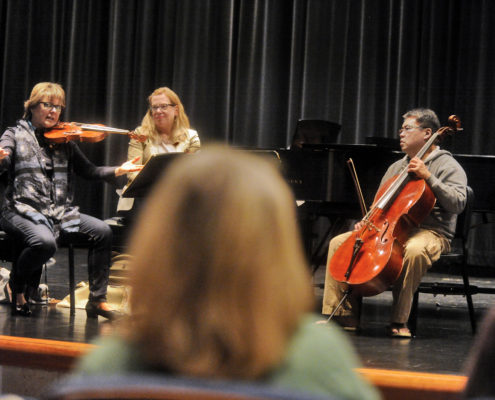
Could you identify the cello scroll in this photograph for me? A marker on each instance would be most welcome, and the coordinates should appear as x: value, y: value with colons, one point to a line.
x: 453, y: 126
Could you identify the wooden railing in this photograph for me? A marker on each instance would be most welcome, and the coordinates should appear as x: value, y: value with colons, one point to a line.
x: 408, y: 385
x: 394, y: 385
x: 40, y: 353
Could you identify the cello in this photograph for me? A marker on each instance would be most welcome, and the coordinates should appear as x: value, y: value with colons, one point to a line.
x: 370, y: 260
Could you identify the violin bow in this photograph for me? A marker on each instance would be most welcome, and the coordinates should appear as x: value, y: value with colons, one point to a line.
x: 100, y: 128
x: 359, y: 192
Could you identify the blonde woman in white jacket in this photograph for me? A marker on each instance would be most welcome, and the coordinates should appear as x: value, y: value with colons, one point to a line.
x: 167, y: 130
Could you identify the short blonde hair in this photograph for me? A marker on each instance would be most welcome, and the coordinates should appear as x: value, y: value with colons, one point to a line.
x: 181, y: 123
x: 51, y: 91
x: 219, y: 279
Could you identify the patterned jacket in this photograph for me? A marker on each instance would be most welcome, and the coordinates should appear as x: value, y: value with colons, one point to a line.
x: 32, y: 191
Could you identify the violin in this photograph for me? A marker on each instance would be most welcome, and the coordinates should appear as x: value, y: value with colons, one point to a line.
x: 370, y: 260
x: 64, y: 132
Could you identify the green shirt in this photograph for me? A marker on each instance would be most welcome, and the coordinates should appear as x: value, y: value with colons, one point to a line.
x: 319, y: 359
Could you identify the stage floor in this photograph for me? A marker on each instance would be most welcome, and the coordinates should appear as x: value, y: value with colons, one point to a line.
x: 441, y: 345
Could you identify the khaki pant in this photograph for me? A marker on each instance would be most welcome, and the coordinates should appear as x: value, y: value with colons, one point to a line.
x: 422, y: 249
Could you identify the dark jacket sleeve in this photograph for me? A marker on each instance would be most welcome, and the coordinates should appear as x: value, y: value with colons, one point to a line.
x: 86, y: 169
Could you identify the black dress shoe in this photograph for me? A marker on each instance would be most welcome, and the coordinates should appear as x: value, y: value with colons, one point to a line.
x: 23, y: 310
x: 93, y: 309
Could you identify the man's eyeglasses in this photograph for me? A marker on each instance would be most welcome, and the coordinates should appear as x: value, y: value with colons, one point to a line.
x: 163, y: 107
x: 50, y: 106
x: 408, y: 128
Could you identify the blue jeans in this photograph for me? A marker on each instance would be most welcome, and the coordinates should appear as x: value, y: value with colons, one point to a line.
x: 37, y: 244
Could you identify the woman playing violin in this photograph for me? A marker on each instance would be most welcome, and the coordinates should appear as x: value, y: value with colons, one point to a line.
x: 38, y: 210
x: 166, y: 129
x: 447, y: 180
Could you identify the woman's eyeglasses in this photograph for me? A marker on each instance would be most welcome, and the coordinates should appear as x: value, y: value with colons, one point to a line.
x: 50, y: 106
x: 163, y: 107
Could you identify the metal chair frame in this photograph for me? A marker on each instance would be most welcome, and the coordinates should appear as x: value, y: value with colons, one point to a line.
x: 457, y: 257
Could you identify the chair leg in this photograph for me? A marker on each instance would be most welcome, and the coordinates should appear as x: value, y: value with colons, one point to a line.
x: 13, y: 292
x: 72, y: 285
x: 314, y: 256
x: 413, y: 316
x: 469, y: 298
x: 45, y: 269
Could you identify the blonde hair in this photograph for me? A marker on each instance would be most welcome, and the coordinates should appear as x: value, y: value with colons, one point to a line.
x: 181, y: 122
x: 219, y: 277
x: 51, y: 91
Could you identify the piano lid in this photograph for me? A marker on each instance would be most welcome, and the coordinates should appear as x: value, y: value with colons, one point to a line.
x: 481, y: 177
x: 320, y: 172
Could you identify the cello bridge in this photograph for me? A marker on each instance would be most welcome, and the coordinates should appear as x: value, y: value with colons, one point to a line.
x: 370, y: 225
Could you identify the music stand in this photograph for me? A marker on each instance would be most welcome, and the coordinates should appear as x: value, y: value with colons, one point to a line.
x: 315, y: 131
x: 150, y: 173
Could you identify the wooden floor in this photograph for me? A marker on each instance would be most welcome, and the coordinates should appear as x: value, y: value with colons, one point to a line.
x: 443, y: 340
x: 442, y: 343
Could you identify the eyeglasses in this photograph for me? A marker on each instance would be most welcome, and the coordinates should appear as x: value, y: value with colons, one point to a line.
x: 163, y: 107
x: 408, y: 128
x: 50, y: 106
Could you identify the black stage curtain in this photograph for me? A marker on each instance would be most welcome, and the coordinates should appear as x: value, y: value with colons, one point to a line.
x: 247, y: 70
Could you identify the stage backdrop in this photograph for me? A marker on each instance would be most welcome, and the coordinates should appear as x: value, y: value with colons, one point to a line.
x: 247, y: 70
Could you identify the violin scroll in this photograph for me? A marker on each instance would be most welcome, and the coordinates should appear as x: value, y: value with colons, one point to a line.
x: 137, y: 136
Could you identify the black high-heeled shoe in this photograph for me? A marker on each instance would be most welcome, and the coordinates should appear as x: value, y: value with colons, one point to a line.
x: 17, y: 309
x: 22, y: 310
x: 93, y: 309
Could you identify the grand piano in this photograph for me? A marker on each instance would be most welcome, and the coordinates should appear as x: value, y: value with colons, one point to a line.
x: 319, y: 173
x: 319, y: 176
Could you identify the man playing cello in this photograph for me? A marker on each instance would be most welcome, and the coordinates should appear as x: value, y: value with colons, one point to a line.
x: 448, y: 181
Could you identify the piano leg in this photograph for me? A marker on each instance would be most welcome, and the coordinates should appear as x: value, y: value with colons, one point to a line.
x: 317, y: 228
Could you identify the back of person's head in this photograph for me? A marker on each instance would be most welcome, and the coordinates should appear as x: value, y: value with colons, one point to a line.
x: 219, y: 277
x: 44, y: 90
x: 481, y: 362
